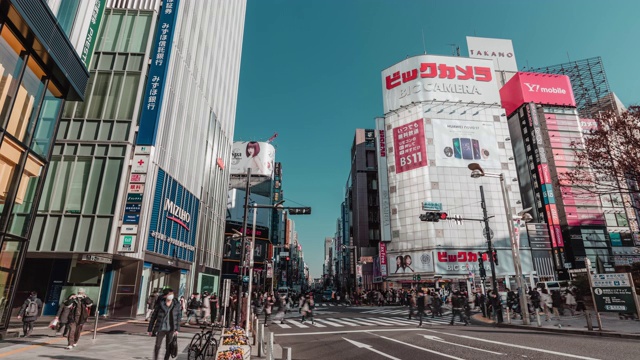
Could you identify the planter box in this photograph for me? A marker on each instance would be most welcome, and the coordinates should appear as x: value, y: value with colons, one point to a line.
x: 246, y: 350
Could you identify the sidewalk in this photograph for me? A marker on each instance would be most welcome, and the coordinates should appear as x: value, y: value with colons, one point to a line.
x: 611, y: 324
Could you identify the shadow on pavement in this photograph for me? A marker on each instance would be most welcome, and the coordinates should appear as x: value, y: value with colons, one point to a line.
x: 67, y: 357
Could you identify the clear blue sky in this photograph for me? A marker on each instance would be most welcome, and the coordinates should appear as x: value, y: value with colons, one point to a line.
x: 311, y: 72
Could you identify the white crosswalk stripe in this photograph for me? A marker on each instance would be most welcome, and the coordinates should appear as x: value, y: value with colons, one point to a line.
x: 354, y: 322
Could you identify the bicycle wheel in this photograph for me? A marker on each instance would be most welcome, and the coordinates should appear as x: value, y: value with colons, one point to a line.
x: 195, y: 348
x: 212, y: 348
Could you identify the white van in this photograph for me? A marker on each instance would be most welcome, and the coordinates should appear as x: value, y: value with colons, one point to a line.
x: 283, y: 291
x: 561, y: 285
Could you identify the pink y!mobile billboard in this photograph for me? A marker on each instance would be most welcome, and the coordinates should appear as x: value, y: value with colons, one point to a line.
x: 545, y: 89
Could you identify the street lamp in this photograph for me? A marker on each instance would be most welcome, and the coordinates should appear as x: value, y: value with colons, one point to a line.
x: 476, y: 172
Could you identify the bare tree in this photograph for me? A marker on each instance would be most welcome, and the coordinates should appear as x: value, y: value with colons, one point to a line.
x: 607, y: 161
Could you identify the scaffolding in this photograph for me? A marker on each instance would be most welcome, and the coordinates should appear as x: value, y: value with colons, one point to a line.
x: 589, y: 82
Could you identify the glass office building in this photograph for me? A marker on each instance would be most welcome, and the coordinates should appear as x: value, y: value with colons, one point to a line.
x: 136, y: 195
x: 40, y: 70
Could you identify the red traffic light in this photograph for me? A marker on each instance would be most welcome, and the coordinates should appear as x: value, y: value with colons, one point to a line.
x: 287, y: 258
x: 443, y: 216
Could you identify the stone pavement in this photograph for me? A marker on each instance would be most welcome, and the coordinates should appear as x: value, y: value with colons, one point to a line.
x: 612, y: 325
x: 115, y: 340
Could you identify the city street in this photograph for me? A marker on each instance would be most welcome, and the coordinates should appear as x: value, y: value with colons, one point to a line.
x: 343, y: 332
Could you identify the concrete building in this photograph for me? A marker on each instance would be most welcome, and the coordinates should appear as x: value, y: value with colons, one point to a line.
x: 135, y: 195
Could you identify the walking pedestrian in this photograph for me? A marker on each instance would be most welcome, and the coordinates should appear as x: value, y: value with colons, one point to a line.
x: 214, y: 308
x: 151, y: 304
x: 268, y: 308
x: 63, y: 317
x: 556, y: 302
x: 570, y: 301
x: 193, y: 308
x: 412, y: 306
x: 437, y: 305
x: 206, y: 308
x: 307, y: 309
x: 282, y: 309
x: 79, y: 313
x: 165, y: 323
x: 29, y: 312
x: 420, y: 304
x: 457, y: 308
x: 547, y: 303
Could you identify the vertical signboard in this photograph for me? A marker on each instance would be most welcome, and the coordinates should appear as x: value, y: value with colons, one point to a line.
x: 156, y: 80
x: 410, y: 150
x: 382, y: 250
x: 383, y: 181
x: 92, y: 32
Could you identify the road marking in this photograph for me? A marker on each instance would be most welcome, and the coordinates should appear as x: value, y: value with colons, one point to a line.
x: 330, y: 323
x: 418, y: 347
x: 317, y: 324
x: 435, y: 338
x: 516, y: 346
x: 335, y: 332
x: 343, y: 322
x: 284, y: 326
x: 297, y: 323
x: 30, y: 347
x: 370, y: 348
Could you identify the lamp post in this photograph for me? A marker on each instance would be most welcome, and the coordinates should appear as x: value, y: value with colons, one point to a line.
x: 476, y: 172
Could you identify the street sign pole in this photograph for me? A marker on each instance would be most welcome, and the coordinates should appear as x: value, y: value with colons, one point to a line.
x: 593, y: 296
x: 635, y: 296
x: 244, y: 246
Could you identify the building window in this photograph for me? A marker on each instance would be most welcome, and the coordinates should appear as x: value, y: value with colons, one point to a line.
x: 46, y: 124
x: 66, y: 14
x: 9, y: 257
x: 23, y: 206
x: 11, y: 52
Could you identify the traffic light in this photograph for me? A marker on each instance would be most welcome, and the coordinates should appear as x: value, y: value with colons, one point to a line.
x: 433, y: 216
x: 495, y: 257
x: 299, y: 210
x: 287, y: 258
x: 417, y: 277
x: 483, y: 272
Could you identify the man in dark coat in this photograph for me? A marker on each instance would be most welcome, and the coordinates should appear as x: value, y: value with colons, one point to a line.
x: 63, y: 317
x: 420, y: 304
x: 165, y: 323
x: 29, y: 312
x: 80, y: 305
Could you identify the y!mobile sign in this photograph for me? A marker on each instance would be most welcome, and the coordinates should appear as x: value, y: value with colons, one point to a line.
x: 545, y: 89
x: 156, y: 80
x: 439, y: 78
x: 410, y: 150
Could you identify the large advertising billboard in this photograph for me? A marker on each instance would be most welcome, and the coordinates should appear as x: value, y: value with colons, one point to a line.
x: 410, y: 150
x: 257, y: 156
x: 174, y: 218
x: 500, y: 51
x: 545, y: 89
x: 410, y: 262
x: 459, y: 143
x: 439, y: 78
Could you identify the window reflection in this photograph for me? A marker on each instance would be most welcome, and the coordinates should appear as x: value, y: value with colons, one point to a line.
x: 26, y: 101
x: 10, y: 66
x: 43, y: 135
x: 9, y: 256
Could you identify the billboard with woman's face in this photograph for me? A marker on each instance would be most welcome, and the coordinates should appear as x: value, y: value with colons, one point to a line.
x: 257, y: 156
x: 410, y: 262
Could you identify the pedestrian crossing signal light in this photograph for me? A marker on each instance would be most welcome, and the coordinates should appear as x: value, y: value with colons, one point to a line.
x: 495, y: 257
x: 417, y: 277
x: 433, y: 216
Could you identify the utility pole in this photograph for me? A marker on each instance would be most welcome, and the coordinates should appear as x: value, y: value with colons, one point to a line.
x: 487, y: 231
x: 244, y: 248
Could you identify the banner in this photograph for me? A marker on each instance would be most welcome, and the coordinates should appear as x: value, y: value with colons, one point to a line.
x: 459, y: 143
x: 382, y: 250
x: 410, y: 262
x: 410, y: 150
x: 259, y: 156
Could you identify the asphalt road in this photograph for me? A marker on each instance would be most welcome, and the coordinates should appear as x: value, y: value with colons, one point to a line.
x: 385, y: 333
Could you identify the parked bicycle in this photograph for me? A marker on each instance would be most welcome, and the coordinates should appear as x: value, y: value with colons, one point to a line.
x: 203, y: 345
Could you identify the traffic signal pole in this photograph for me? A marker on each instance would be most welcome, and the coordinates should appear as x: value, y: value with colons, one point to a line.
x: 244, y: 248
x: 487, y: 230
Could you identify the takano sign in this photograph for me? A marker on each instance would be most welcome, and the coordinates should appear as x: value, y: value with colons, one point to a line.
x: 439, y: 78
x: 500, y: 51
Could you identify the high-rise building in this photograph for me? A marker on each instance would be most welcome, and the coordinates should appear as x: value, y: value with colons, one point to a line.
x: 443, y: 114
x: 140, y: 170
x: 40, y: 70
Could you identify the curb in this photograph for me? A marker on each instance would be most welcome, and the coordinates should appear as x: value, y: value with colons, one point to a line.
x: 487, y: 322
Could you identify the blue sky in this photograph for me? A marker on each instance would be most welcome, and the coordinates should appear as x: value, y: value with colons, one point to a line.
x: 311, y: 72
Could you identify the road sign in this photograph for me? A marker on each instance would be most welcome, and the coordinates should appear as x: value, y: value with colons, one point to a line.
x: 610, y: 280
x: 430, y: 205
x: 96, y: 258
x: 614, y: 299
x: 245, y: 279
x: 366, y: 259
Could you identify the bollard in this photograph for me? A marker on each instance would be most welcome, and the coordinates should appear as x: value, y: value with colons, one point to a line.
x: 261, y: 340
x: 587, y: 315
x: 538, y: 318
x: 508, y: 316
x: 270, y: 347
x: 286, y: 353
x: 95, y: 326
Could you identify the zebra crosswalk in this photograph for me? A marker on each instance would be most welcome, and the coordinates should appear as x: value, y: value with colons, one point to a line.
x: 332, y: 322
x: 401, y: 311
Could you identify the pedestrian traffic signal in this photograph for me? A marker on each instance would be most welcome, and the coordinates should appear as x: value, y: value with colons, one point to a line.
x: 433, y: 216
x: 482, y: 271
x: 495, y: 257
x: 299, y: 210
x: 417, y: 277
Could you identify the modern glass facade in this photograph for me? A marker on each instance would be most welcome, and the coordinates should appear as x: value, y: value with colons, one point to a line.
x: 31, y: 98
x: 100, y: 202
